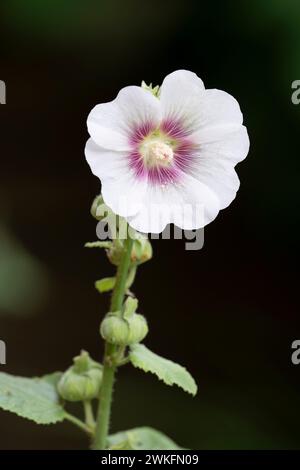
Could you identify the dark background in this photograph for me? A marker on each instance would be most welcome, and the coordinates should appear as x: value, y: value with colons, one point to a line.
x: 229, y: 311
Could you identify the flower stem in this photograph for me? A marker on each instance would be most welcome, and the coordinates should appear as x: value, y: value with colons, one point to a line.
x: 80, y: 424
x: 88, y: 413
x: 109, y: 367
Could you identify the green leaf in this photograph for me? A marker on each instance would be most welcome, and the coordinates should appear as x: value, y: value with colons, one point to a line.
x: 106, y: 284
x: 35, y: 399
x: 98, y: 244
x: 144, y: 438
x: 166, y: 370
x: 52, y: 378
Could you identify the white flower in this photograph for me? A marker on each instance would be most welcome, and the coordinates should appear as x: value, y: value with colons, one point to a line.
x: 157, y: 155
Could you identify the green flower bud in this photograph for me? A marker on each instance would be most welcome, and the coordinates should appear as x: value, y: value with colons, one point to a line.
x: 141, y: 251
x: 115, y: 330
x: 100, y: 211
x: 115, y: 253
x: 98, y: 201
x: 82, y: 380
x: 123, y: 332
x: 138, y: 329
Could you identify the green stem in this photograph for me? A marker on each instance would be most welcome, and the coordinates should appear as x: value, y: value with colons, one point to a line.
x: 131, y: 276
x: 88, y: 413
x: 80, y: 424
x: 109, y: 367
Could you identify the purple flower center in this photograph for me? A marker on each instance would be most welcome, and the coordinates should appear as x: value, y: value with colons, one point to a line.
x: 161, y: 154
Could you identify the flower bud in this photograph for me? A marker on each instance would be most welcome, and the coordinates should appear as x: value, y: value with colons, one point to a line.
x: 123, y: 332
x: 82, y: 380
x: 138, y: 329
x: 101, y: 212
x: 115, y: 253
x: 115, y: 330
x: 141, y: 251
x: 98, y: 201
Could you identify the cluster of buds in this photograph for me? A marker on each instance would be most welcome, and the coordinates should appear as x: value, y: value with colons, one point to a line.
x: 125, y: 327
x: 81, y: 381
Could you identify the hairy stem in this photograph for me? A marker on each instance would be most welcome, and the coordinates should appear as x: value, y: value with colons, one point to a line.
x: 109, y: 367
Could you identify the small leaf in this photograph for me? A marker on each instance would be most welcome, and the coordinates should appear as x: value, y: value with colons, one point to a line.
x: 35, y: 399
x: 130, y: 307
x: 144, y: 438
x: 98, y: 244
x: 166, y: 370
x: 106, y: 284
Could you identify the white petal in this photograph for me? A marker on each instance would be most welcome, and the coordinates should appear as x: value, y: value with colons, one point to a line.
x: 218, y: 176
x: 120, y: 187
x: 110, y: 124
x: 214, y: 165
x: 180, y: 95
x: 122, y: 194
x: 179, y: 85
x: 189, y: 205
x: 233, y: 147
x: 106, y: 163
x: 218, y: 115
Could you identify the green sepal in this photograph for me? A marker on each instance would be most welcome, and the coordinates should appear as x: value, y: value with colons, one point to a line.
x: 155, y: 90
x: 98, y: 244
x: 130, y: 307
x: 82, y: 380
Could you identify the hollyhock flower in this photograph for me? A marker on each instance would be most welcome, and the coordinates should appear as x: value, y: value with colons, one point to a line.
x: 162, y: 154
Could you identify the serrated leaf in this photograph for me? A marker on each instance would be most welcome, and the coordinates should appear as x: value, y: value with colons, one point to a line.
x: 32, y: 398
x: 144, y: 438
x: 106, y: 284
x: 167, y: 371
x: 98, y: 244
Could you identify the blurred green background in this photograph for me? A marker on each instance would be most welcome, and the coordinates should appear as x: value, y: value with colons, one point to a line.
x: 229, y: 312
